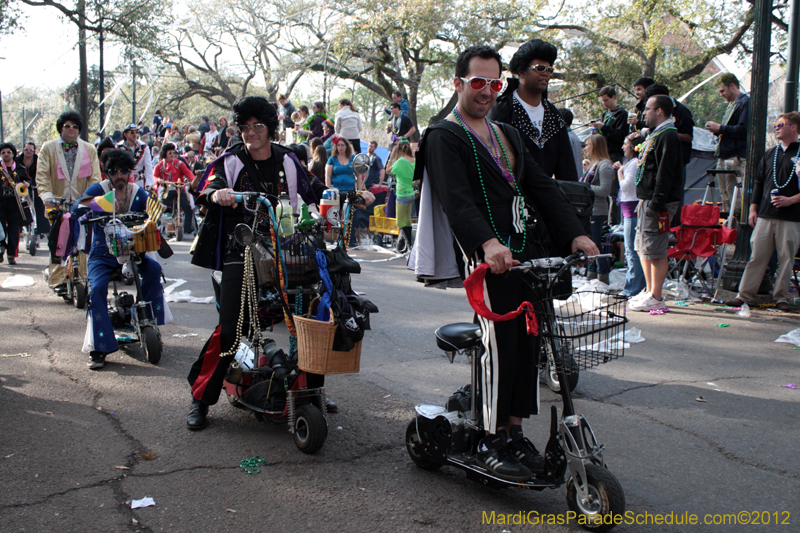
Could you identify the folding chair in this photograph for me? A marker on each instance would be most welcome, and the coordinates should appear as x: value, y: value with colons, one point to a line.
x: 700, y: 235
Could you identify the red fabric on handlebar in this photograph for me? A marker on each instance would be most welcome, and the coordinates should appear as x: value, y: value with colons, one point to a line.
x: 474, y: 286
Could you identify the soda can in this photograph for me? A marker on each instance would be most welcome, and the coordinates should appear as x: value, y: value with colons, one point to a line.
x: 774, y: 192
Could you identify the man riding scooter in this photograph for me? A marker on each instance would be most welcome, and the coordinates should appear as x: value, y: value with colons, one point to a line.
x: 128, y: 197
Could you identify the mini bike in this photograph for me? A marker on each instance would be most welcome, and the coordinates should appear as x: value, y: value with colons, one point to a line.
x: 263, y: 379
x: 172, y: 223
x: 77, y: 286
x: 581, y: 332
x: 128, y: 310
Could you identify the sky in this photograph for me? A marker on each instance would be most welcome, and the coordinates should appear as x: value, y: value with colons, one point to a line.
x: 46, y: 53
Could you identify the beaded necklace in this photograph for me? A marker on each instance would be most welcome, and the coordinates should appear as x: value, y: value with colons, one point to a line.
x: 470, y: 135
x: 494, y: 151
x: 648, y: 147
x: 775, y: 167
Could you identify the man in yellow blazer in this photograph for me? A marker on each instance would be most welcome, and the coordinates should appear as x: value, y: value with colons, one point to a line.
x: 67, y: 167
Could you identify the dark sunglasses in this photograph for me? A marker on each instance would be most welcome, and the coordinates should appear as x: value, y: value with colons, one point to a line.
x: 112, y: 172
x: 542, y: 68
x: 476, y: 84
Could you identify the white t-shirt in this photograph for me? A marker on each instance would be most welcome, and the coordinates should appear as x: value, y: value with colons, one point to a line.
x: 536, y: 114
x: 211, y: 136
x: 628, y: 183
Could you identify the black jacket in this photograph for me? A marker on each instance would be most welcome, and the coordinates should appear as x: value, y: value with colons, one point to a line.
x: 662, y: 179
x: 552, y: 150
x: 615, y: 129
x: 764, y: 183
x: 453, y: 172
x: 733, y: 137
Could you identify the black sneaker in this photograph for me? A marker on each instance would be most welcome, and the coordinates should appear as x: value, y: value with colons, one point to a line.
x: 494, y: 456
x: 525, y: 451
x: 97, y: 361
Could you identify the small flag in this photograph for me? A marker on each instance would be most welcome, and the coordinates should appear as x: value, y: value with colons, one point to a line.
x: 154, y: 207
x: 103, y: 203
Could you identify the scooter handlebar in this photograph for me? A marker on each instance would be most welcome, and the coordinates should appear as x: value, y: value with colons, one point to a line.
x: 558, y: 262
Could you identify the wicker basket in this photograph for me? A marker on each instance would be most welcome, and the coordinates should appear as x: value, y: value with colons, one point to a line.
x: 315, y: 351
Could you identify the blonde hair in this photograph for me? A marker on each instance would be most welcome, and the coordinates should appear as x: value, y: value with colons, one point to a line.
x: 599, y: 148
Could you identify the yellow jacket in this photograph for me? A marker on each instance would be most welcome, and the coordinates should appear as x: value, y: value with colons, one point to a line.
x: 51, y: 172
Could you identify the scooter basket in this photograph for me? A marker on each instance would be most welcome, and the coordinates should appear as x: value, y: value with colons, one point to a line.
x: 298, y: 250
x: 119, y: 238
x: 588, y: 330
x: 315, y: 351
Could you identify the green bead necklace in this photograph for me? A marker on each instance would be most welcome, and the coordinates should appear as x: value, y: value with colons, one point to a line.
x: 470, y: 134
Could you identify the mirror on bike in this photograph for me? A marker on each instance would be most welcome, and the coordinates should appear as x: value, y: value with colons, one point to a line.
x: 361, y: 164
x: 243, y: 234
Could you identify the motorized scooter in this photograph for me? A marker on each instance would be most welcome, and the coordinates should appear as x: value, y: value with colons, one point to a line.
x: 584, y: 331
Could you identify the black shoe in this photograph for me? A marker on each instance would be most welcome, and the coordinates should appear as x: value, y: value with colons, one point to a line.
x: 97, y: 361
x: 525, y: 451
x: 495, y: 456
x: 196, y: 420
x: 11, y: 260
x: 331, y: 406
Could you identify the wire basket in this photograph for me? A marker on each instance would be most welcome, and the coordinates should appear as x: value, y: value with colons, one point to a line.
x: 587, y: 330
x: 297, y: 251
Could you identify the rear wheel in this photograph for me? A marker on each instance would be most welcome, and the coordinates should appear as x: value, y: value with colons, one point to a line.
x: 179, y: 233
x: 605, y: 499
x: 79, y: 295
x: 33, y: 244
x: 413, y: 445
x: 151, y: 342
x: 310, y: 429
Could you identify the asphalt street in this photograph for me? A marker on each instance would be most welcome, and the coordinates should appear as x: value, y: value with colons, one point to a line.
x: 695, y: 420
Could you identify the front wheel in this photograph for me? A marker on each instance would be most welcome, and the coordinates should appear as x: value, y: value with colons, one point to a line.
x: 179, y: 234
x: 79, y: 295
x: 33, y: 244
x: 605, y: 499
x: 151, y: 342
x: 310, y: 429
x: 551, y: 375
x: 413, y: 444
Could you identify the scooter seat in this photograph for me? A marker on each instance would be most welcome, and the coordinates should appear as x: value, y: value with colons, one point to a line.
x: 453, y: 337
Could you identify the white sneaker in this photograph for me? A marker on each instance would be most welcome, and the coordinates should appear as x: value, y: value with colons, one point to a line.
x: 649, y: 304
x: 643, y: 295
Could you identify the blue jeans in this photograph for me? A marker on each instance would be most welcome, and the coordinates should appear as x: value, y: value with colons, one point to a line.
x: 635, y: 281
x: 601, y: 266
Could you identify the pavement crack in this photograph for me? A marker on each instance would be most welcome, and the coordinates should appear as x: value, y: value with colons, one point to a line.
x: 665, y: 382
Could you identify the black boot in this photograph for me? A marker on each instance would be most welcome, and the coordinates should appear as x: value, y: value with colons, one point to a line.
x: 196, y: 420
x: 406, y: 231
x: 331, y: 406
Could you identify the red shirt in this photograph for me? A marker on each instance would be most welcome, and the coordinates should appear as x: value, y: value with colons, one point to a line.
x: 172, y: 171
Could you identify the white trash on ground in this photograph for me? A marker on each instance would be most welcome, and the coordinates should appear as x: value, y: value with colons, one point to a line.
x: 147, y: 501
x: 186, y: 296
x: 744, y: 311
x: 793, y: 337
x: 679, y: 290
x: 20, y: 280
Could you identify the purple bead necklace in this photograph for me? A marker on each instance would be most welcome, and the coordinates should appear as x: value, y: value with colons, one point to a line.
x: 494, y: 151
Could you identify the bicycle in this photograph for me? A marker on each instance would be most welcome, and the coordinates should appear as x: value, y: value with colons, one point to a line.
x: 76, y: 288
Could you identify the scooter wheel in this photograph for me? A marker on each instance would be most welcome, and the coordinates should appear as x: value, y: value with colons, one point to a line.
x: 413, y: 444
x: 551, y: 376
x: 151, y: 342
x: 310, y: 429
x: 179, y: 234
x: 79, y: 295
x: 605, y: 498
x: 32, y: 246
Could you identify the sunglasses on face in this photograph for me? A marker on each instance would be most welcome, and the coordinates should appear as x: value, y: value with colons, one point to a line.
x: 542, y: 68
x: 6, y: 152
x: 779, y: 125
x: 477, y: 84
x: 70, y: 127
x: 256, y: 128
x: 27, y: 149
x: 112, y: 172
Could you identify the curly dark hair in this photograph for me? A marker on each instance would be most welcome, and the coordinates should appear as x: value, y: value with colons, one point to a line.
x: 69, y: 116
x: 105, y: 144
x: 259, y: 107
x: 119, y: 159
x: 533, y: 49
